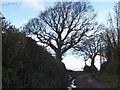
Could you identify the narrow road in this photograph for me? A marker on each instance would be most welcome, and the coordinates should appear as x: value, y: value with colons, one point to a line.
x: 89, y: 81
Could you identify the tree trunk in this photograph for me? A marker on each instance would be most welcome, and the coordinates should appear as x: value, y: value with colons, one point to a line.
x: 59, y: 59
x: 92, y: 62
x: 93, y: 67
x: 93, y: 59
x: 85, y: 63
x: 59, y: 55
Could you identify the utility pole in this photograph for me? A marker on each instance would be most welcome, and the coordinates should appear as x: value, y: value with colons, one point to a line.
x: 100, y: 55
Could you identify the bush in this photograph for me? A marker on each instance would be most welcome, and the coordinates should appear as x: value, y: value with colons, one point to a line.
x: 10, y: 78
x: 90, y: 68
x: 28, y: 65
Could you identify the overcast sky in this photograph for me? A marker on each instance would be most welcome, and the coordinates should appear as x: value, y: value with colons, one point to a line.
x: 20, y: 12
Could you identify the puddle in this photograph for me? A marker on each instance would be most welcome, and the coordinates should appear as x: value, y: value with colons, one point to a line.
x: 71, y: 83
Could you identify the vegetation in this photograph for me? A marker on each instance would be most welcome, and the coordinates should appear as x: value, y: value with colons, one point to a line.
x: 28, y: 65
x: 62, y: 26
x: 90, y: 48
x: 109, y: 78
x: 106, y: 43
x: 112, y: 42
x: 65, y: 26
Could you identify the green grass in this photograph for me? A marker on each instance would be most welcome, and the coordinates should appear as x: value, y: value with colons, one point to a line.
x: 110, y: 78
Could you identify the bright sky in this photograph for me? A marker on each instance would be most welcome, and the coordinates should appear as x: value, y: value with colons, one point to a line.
x: 20, y: 11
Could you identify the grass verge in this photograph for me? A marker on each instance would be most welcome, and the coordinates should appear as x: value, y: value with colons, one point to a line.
x: 109, y: 78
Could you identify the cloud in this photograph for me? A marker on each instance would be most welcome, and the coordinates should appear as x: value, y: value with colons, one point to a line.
x: 36, y: 4
x: 104, y: 13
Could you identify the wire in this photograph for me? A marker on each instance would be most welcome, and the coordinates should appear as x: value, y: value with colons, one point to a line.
x: 6, y: 4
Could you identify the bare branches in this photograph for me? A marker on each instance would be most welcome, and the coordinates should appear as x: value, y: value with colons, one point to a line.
x: 91, y: 47
x: 65, y: 24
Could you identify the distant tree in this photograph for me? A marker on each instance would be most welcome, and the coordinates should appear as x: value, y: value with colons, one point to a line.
x: 63, y: 26
x: 6, y: 25
x: 1, y: 17
x: 117, y: 18
x: 90, y: 48
x: 113, y: 30
x: 112, y: 40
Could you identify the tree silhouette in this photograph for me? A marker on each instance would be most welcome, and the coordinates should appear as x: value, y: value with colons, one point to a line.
x: 62, y: 26
x: 91, y: 47
x: 111, y: 37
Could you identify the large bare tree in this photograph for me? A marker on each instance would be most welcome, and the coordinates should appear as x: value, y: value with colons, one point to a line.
x: 63, y: 26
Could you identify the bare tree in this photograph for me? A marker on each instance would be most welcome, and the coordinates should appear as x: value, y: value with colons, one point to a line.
x: 111, y: 37
x: 113, y: 32
x: 91, y: 48
x: 117, y: 18
x: 63, y: 26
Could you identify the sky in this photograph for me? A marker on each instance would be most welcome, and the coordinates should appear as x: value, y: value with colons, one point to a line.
x: 19, y: 12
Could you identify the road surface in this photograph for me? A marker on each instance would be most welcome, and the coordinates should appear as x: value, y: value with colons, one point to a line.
x: 89, y: 81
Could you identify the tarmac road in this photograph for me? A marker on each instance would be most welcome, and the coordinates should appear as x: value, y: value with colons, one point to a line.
x: 89, y: 81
